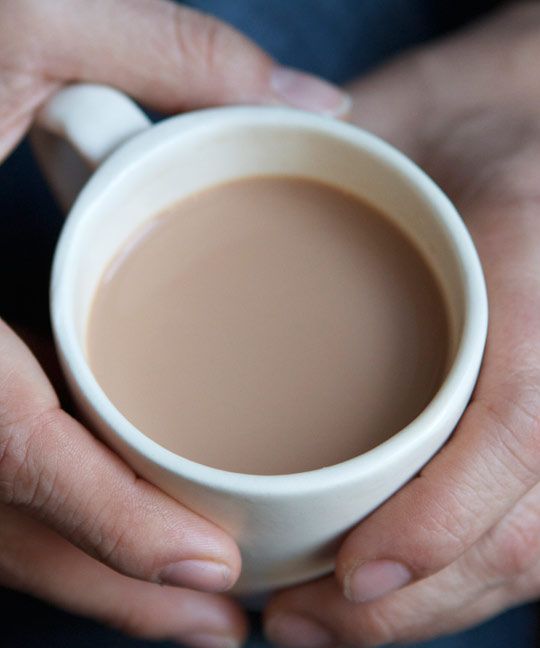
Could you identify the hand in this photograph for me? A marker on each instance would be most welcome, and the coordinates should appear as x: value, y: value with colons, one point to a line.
x: 460, y: 542
x: 77, y: 526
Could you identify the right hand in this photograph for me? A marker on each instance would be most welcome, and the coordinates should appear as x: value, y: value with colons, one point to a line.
x: 77, y: 526
x: 460, y: 542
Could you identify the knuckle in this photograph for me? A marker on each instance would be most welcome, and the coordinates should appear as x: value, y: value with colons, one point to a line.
x: 510, y: 551
x: 131, y: 620
x: 200, y: 38
x: 518, y: 552
x: 524, y: 586
x: 115, y: 543
x: 446, y: 525
x: 371, y: 628
x: 25, y: 18
x: 108, y: 533
x: 507, y: 175
x: 439, y: 524
x: 514, y: 419
x: 111, y: 532
x: 26, y: 478
x: 518, y: 545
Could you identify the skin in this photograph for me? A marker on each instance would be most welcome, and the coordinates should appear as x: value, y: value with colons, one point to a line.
x: 63, y: 536
x: 467, y: 529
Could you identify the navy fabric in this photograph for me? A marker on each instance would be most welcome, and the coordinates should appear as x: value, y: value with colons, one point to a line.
x: 47, y: 627
x: 338, y: 39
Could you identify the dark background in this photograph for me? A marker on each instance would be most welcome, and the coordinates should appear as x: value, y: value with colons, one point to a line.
x: 337, y: 39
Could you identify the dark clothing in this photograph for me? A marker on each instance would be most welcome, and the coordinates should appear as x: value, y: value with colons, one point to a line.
x: 338, y: 39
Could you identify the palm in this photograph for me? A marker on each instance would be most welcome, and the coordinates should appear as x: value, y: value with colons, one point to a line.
x: 469, y: 526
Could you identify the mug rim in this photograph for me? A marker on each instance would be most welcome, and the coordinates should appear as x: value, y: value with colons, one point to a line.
x: 460, y: 376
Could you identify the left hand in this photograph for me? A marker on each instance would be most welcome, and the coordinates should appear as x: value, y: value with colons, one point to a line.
x: 461, y: 541
x: 77, y: 527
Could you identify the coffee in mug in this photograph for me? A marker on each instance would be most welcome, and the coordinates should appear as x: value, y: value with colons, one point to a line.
x: 269, y: 325
x: 277, y: 299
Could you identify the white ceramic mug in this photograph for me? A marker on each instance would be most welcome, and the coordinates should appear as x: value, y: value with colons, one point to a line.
x: 287, y: 526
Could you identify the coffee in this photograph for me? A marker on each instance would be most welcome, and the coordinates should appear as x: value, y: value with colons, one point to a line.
x: 269, y: 325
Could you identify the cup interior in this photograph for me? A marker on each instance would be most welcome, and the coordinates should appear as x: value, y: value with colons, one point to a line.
x: 186, y: 154
x: 221, y: 149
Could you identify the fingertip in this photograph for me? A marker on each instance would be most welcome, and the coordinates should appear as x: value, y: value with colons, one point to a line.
x: 230, y: 559
x: 210, y: 620
x: 204, y: 575
x: 366, y: 578
x: 308, y: 92
x: 297, y: 631
x: 303, y: 616
x: 237, y: 620
x: 373, y: 579
x: 212, y: 563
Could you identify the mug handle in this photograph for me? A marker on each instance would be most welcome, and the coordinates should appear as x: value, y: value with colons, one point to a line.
x: 78, y: 128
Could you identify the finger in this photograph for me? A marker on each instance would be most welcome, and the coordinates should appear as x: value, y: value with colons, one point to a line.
x: 21, y: 94
x: 508, y: 555
x: 318, y: 616
x: 493, y: 458
x: 41, y: 345
x: 167, y: 56
x: 445, y: 510
x: 488, y: 466
x: 53, y: 468
x: 436, y: 85
x: 501, y: 570
x: 36, y: 560
x: 402, y: 83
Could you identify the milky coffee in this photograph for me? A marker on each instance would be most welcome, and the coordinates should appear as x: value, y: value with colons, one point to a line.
x: 269, y: 325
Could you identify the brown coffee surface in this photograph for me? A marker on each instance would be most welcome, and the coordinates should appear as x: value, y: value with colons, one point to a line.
x: 269, y: 325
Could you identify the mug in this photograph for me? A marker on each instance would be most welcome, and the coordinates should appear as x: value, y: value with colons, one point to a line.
x: 287, y: 526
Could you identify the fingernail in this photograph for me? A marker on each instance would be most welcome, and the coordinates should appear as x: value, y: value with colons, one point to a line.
x: 308, y: 92
x: 205, y: 575
x: 374, y: 579
x: 208, y: 640
x: 295, y: 631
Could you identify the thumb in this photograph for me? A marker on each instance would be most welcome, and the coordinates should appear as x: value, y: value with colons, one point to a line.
x: 395, y: 102
x: 167, y: 56
x: 52, y: 468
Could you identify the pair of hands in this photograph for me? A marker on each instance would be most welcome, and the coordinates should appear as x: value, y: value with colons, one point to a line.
x: 77, y: 527
x: 457, y: 544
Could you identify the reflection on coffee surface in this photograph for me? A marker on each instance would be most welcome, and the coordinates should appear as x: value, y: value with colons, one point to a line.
x: 269, y: 325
